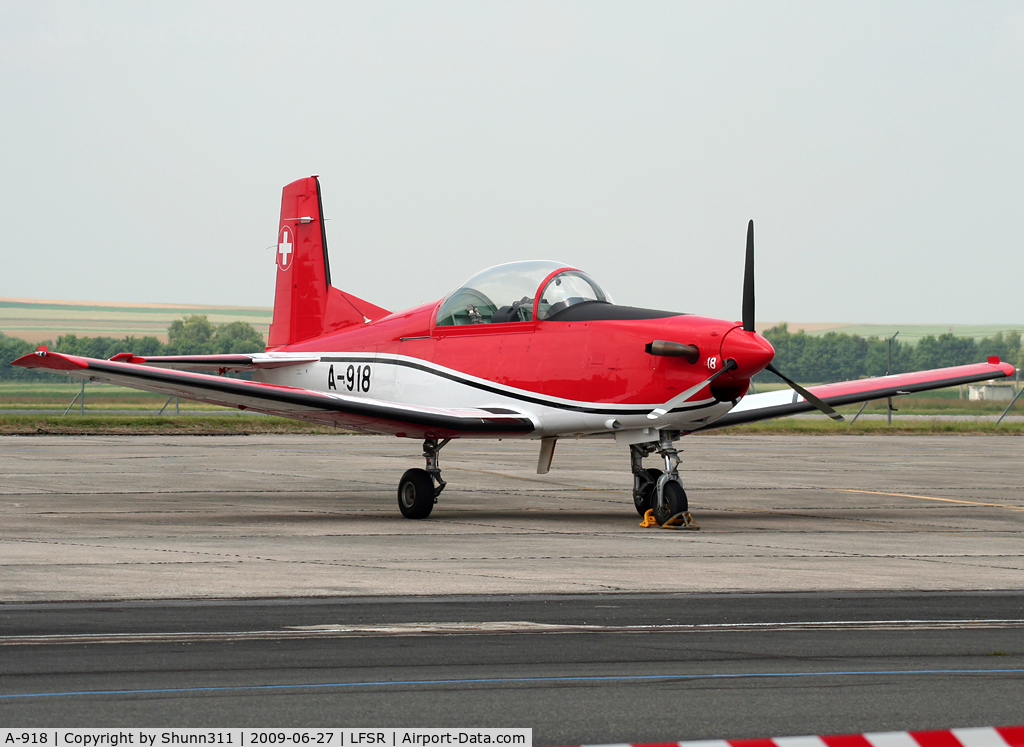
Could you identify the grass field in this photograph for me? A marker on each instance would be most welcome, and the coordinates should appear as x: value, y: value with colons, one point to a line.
x: 103, y: 397
x: 93, y: 424
x: 98, y: 397
x: 142, y: 416
x: 36, y: 321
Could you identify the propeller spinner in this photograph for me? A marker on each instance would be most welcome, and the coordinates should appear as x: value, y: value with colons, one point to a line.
x: 744, y: 350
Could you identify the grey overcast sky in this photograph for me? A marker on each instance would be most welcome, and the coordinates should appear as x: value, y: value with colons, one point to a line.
x: 879, y: 148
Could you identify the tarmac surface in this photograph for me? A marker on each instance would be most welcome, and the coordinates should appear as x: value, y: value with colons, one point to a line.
x: 837, y: 585
x: 103, y: 518
x: 583, y: 669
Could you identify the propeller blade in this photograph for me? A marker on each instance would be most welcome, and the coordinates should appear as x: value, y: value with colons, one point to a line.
x: 682, y: 397
x: 821, y: 405
x: 748, y: 282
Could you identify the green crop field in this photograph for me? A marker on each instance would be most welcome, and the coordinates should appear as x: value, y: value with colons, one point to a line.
x: 36, y: 321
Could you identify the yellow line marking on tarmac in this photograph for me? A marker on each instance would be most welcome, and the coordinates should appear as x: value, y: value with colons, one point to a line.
x: 931, y: 498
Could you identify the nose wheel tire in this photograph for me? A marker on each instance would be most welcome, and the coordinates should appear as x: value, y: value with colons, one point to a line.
x: 674, y: 502
x: 416, y: 494
x: 643, y: 495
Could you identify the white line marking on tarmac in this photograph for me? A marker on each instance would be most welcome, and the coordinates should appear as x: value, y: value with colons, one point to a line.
x: 511, y: 627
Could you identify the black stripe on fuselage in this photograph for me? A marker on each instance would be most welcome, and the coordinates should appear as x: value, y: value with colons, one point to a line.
x: 602, y: 311
x: 536, y: 400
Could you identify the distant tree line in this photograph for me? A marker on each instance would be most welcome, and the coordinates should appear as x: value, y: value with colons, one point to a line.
x: 192, y: 335
x: 836, y: 356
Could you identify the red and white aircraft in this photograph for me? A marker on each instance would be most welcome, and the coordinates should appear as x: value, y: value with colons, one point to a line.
x: 523, y: 350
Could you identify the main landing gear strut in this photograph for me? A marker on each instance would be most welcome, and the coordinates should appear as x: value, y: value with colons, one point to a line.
x: 654, y: 489
x: 418, y: 489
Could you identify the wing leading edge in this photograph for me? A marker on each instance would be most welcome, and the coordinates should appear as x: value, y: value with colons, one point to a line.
x: 339, y: 410
x: 786, y: 402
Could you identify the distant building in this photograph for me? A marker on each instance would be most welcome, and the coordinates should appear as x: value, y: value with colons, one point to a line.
x: 991, y: 392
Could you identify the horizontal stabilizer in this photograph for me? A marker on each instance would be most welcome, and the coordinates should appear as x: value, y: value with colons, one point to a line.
x: 220, y: 363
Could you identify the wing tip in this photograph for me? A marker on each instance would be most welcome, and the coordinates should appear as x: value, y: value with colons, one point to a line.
x: 43, y: 358
x: 1006, y: 368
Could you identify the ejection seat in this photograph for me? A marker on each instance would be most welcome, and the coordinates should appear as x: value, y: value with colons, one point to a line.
x: 519, y: 311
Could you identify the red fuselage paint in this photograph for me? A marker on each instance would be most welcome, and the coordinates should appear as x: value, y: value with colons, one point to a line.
x: 593, y: 361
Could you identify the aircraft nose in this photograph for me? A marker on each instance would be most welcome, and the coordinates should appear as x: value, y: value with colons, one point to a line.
x: 751, y: 352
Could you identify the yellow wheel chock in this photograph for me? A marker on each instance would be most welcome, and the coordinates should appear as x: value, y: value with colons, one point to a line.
x: 682, y: 520
x: 649, y: 519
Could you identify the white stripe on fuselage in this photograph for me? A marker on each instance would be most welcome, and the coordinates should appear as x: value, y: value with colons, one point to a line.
x: 413, y: 381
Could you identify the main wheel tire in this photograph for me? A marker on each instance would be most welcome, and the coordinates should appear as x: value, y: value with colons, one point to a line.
x: 675, y: 502
x: 416, y: 494
x: 643, y: 497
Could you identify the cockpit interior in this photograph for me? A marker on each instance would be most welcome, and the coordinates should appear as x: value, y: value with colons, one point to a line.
x: 513, y: 292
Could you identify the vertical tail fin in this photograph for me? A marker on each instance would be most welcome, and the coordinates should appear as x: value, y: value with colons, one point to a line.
x: 306, y: 305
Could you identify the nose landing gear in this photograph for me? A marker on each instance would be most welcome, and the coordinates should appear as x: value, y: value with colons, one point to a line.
x: 418, y: 489
x: 659, y: 491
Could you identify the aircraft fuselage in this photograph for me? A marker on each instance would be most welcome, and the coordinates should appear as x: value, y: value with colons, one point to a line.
x: 571, y: 376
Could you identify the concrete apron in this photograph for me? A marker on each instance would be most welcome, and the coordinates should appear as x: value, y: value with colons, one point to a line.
x: 110, y: 517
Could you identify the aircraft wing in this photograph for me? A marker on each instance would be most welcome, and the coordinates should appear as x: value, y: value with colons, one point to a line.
x: 339, y: 410
x: 785, y: 402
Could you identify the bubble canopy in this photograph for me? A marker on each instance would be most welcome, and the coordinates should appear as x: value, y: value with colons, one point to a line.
x: 510, y: 293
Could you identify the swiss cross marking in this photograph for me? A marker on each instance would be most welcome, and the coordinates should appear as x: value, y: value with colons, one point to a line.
x: 284, y: 250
